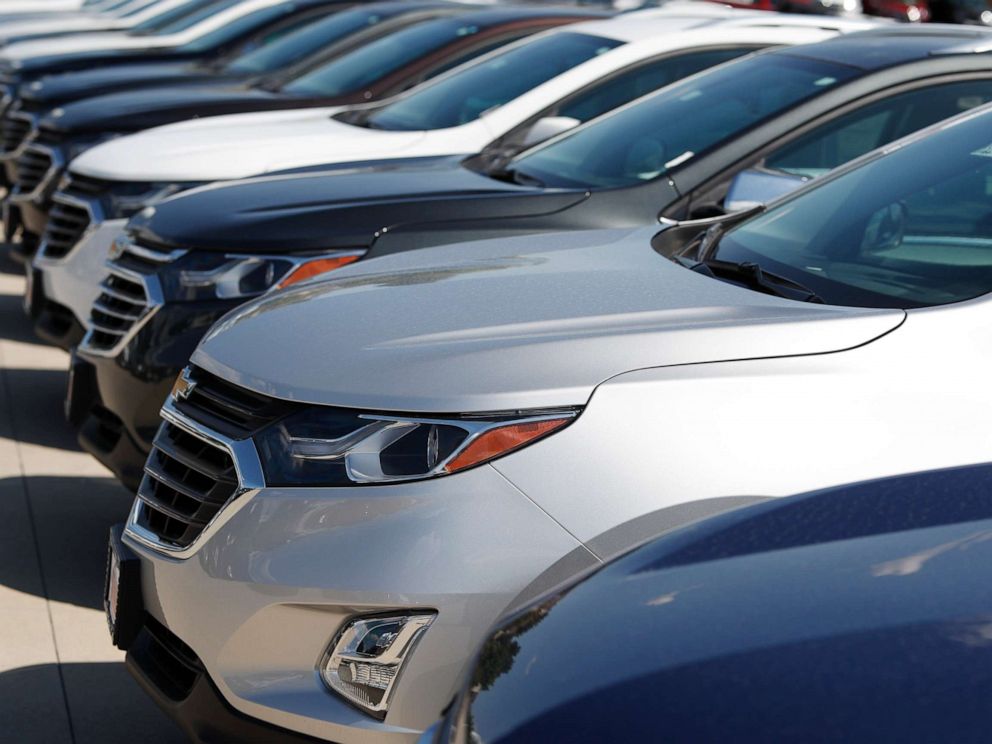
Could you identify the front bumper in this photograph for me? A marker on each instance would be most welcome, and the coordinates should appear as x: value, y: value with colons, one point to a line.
x: 270, y: 583
x: 178, y: 684
x: 68, y: 286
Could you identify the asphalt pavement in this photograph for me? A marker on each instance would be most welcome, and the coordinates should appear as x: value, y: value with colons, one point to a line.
x: 61, y: 681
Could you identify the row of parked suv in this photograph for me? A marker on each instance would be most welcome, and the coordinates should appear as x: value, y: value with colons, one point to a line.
x: 466, y: 361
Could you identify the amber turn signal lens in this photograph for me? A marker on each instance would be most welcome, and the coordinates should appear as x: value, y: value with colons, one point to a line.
x: 505, y: 439
x: 316, y: 267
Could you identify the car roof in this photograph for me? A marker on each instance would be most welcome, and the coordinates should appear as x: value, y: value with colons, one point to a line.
x: 876, y: 49
x: 491, y: 17
x: 677, y: 16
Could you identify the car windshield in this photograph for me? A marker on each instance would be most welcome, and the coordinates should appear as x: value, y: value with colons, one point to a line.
x: 650, y: 137
x: 464, y: 96
x: 236, y: 27
x: 181, y: 17
x: 907, y: 229
x: 134, y: 9
x: 306, y: 41
x: 375, y: 61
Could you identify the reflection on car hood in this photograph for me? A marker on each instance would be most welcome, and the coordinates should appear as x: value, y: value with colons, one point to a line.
x: 148, y: 107
x: 336, y: 209
x: 856, y: 614
x: 504, y: 324
x: 240, y: 146
x: 74, y: 44
x: 71, y: 86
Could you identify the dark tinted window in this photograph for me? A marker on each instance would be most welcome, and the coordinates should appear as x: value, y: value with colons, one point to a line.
x: 181, y: 17
x: 907, y: 229
x: 861, y: 131
x: 645, y: 140
x: 312, y: 38
x: 635, y: 83
x: 237, y: 27
x: 466, y: 95
x: 363, y: 67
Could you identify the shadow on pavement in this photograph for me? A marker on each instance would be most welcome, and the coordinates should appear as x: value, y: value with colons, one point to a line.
x: 7, y: 264
x: 106, y: 706
x: 72, y: 517
x: 40, y: 419
x: 14, y: 324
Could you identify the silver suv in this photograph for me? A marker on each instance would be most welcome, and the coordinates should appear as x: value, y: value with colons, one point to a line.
x: 355, y: 478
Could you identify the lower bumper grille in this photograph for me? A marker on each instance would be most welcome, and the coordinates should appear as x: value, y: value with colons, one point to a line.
x: 33, y: 166
x: 187, y: 482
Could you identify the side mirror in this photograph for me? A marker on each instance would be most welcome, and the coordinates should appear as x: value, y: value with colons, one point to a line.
x: 751, y: 188
x: 547, y: 128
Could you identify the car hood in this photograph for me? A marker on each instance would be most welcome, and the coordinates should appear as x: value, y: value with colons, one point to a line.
x: 144, y: 108
x: 53, y: 90
x: 222, y: 148
x: 81, y: 43
x: 336, y: 209
x: 847, y: 602
x: 54, y: 26
x: 505, y: 324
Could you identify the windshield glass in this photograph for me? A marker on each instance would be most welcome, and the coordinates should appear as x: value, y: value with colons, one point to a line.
x: 236, y: 28
x: 131, y: 10
x: 363, y: 67
x: 667, y: 129
x: 306, y: 41
x: 908, y: 229
x: 466, y: 95
x: 182, y: 17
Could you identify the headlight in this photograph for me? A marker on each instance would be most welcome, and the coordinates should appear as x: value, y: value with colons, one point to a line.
x: 202, y: 276
x: 338, y: 447
x: 365, y: 660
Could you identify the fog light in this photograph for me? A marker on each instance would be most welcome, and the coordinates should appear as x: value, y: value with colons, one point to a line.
x: 367, y: 655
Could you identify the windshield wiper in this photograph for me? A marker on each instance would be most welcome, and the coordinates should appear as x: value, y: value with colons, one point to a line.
x: 512, y: 175
x: 753, y: 275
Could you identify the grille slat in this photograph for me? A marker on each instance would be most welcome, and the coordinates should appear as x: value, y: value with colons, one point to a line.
x: 31, y: 168
x: 187, y: 481
x: 69, y: 219
x: 123, y: 314
x: 124, y: 302
x: 232, y: 410
x: 14, y: 130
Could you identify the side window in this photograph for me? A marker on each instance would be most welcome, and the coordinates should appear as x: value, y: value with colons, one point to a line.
x: 642, y: 80
x: 874, y: 125
x: 471, y: 53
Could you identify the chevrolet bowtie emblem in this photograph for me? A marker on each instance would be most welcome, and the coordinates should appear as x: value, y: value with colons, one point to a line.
x: 184, y: 386
x: 117, y: 249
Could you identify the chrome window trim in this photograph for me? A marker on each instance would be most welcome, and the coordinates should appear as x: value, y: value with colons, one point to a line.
x: 247, y: 466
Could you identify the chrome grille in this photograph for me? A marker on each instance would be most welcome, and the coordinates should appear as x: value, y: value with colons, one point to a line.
x: 14, y: 131
x: 187, y: 481
x: 230, y: 409
x: 32, y: 168
x: 129, y: 295
x: 67, y: 221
